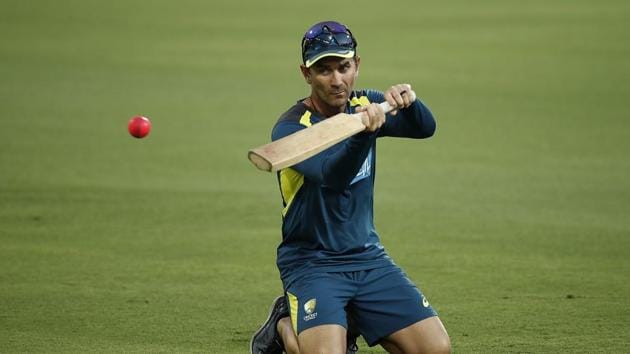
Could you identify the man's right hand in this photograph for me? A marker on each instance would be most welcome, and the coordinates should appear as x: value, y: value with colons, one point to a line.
x: 373, y: 117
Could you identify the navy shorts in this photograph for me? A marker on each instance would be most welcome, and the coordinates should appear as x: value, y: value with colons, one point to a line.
x: 381, y: 301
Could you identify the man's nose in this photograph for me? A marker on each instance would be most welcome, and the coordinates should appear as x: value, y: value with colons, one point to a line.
x: 336, y: 78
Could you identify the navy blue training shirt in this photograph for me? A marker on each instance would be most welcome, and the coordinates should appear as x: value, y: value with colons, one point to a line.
x: 327, y: 220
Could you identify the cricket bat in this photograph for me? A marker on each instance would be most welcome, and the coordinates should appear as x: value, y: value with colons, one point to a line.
x: 299, y: 146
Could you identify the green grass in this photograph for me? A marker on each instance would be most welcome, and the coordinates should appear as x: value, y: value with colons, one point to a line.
x: 513, y: 219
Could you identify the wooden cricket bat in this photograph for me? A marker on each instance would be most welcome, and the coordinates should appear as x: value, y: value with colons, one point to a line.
x: 299, y: 146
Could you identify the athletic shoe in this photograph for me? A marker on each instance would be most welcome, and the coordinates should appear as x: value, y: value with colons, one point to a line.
x: 267, y: 340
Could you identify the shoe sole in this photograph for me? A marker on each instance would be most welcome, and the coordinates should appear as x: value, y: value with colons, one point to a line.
x: 273, y: 306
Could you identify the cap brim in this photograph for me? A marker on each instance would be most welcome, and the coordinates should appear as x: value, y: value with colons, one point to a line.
x: 329, y: 53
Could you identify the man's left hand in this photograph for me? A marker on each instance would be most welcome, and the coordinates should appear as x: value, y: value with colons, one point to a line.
x: 400, y: 96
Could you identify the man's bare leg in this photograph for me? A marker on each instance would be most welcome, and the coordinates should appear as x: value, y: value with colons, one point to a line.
x: 320, y: 339
x: 285, y: 330
x: 330, y: 339
x: 426, y: 336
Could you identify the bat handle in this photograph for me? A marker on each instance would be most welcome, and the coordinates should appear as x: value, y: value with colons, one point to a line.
x: 387, y: 107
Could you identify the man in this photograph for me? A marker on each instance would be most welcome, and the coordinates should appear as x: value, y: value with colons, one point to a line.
x: 332, y: 264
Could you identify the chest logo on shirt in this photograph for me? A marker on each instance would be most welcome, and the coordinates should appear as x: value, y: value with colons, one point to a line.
x: 366, y: 169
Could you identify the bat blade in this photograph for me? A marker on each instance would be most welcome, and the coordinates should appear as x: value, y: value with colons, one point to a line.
x: 301, y: 145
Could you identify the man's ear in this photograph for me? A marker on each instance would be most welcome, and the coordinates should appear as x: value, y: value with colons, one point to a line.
x: 357, y: 61
x: 306, y: 73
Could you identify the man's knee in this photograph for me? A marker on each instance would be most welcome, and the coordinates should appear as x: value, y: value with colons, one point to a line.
x: 439, y: 344
x: 436, y: 341
x: 427, y: 336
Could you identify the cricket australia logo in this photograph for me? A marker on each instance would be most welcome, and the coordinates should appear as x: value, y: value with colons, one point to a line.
x: 309, y: 309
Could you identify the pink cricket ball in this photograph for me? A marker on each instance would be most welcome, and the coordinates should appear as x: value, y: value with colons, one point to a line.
x: 139, y: 126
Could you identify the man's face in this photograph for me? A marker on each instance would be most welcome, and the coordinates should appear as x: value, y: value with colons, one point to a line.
x: 332, y: 79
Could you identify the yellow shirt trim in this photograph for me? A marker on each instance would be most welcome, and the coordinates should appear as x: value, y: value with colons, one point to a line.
x: 360, y: 101
x: 290, y: 183
x: 305, y: 120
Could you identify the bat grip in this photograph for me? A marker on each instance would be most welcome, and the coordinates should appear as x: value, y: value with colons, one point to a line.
x: 386, y: 107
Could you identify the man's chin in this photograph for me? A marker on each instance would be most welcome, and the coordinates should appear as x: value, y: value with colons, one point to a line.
x: 339, y: 100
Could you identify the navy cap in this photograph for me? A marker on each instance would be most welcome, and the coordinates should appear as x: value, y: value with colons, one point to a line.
x: 327, y: 39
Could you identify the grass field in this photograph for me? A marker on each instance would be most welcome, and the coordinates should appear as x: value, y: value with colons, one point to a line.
x: 513, y: 218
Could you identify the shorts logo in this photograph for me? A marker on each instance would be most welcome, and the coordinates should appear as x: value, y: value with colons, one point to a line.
x: 309, y: 308
x: 425, y: 302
